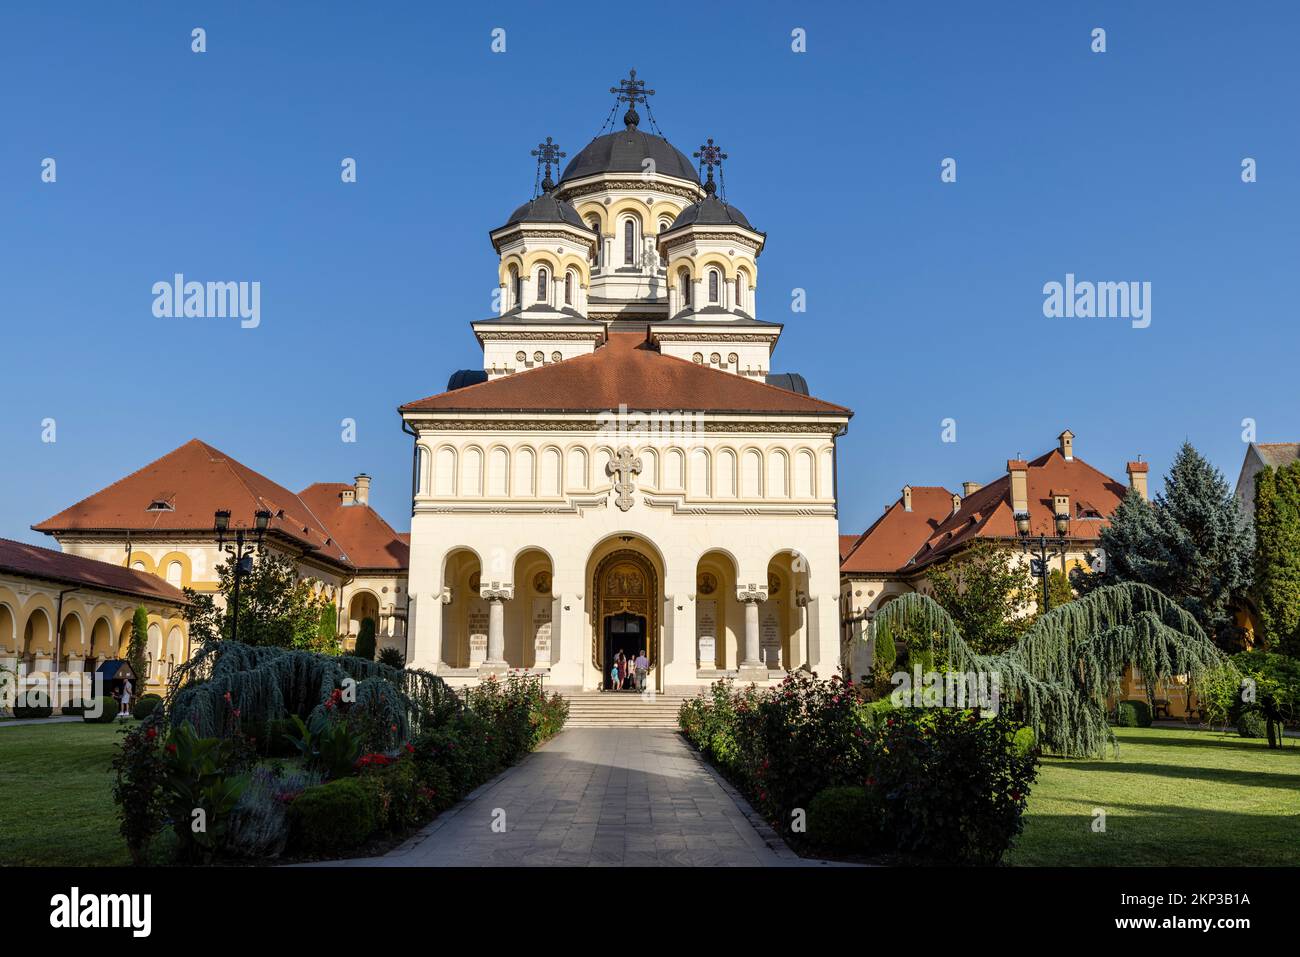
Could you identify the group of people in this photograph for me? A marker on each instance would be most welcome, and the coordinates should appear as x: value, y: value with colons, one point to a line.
x: 629, y: 674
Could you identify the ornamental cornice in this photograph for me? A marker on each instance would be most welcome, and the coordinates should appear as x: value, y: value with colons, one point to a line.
x: 638, y: 185
x: 577, y: 426
x: 591, y: 335
x: 572, y: 234
x: 716, y: 336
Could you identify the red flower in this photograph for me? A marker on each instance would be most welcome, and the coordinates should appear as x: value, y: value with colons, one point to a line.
x: 236, y: 712
x: 1015, y: 795
x: 171, y: 749
x: 392, y: 727
x: 150, y: 733
x: 410, y: 748
x: 227, y: 697
x: 871, y: 781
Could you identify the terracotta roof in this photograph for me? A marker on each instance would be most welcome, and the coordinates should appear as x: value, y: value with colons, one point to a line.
x: 898, y: 534
x: 369, y: 541
x: 194, y: 481
x: 986, y: 513
x: 29, y: 561
x: 846, y: 545
x: 626, y: 370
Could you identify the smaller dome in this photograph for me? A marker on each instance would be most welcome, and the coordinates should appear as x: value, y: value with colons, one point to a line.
x: 547, y: 209
x: 710, y: 211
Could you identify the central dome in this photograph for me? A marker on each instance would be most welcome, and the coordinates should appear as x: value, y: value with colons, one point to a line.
x: 624, y: 151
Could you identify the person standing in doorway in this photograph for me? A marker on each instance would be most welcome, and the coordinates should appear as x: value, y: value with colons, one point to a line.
x: 642, y: 669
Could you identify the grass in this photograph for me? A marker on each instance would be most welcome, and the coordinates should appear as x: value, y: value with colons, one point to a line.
x: 56, y: 799
x: 1173, y: 797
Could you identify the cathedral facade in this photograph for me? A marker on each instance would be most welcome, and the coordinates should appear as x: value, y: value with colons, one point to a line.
x: 625, y: 472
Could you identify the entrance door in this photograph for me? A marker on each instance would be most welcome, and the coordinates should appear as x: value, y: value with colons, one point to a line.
x: 624, y: 632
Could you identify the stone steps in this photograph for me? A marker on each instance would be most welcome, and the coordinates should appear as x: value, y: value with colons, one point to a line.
x: 622, y: 709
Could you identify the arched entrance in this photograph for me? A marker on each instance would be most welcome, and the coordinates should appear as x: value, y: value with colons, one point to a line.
x: 625, y: 612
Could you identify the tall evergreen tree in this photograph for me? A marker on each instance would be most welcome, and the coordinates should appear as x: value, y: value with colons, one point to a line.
x: 1188, y: 543
x: 139, y: 646
x: 1277, y: 557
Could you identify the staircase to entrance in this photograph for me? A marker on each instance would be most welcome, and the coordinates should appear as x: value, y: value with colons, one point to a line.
x: 622, y: 709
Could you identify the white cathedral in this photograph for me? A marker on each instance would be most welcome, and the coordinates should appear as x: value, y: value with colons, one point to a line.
x: 625, y: 473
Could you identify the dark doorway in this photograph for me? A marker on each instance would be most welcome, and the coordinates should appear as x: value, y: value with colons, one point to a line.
x: 624, y: 632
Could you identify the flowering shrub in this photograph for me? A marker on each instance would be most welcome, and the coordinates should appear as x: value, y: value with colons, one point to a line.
x: 935, y: 783
x: 137, y: 786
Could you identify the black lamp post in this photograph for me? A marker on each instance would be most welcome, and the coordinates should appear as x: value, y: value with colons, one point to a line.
x: 1043, y: 547
x: 243, y: 553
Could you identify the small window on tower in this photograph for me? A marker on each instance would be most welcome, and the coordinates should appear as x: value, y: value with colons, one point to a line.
x: 516, y: 286
x: 713, y: 285
x: 684, y: 282
x: 542, y: 277
x: 740, y: 291
x: 629, y: 242
x: 568, y: 288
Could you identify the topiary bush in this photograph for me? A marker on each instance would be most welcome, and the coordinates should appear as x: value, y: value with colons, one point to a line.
x: 392, y: 657
x: 1134, y: 714
x: 333, y: 818
x: 146, y: 705
x: 365, y: 647
x: 33, y: 704
x: 105, y: 711
x: 1252, y: 724
x: 844, y: 818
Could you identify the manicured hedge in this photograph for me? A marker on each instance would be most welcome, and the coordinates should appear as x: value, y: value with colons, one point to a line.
x: 844, y: 818
x: 1252, y: 724
x: 334, y: 817
x: 1134, y: 714
x: 145, y: 705
x: 105, y: 712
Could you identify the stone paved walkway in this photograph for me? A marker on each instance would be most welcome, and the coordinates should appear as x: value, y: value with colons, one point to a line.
x: 599, y: 797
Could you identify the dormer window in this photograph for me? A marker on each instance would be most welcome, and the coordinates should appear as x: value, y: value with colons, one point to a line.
x: 160, y: 505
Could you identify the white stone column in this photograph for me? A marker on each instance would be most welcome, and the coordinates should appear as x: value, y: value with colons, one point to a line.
x: 752, y: 667
x: 496, y: 595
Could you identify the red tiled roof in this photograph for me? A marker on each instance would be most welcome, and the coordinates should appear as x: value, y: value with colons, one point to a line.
x: 195, y: 480
x: 369, y: 541
x: 626, y: 370
x: 986, y: 513
x: 846, y: 545
x: 897, y: 535
x: 29, y: 561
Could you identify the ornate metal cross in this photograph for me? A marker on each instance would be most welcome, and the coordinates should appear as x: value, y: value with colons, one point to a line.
x: 624, y: 465
x: 710, y: 155
x: 631, y: 91
x: 548, y: 153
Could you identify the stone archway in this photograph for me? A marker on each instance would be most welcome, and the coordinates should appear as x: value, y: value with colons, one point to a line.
x: 625, y: 583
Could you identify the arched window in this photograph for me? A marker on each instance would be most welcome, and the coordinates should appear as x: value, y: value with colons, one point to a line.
x: 629, y: 242
x: 713, y: 285
x: 594, y: 223
x: 568, y: 288
x: 543, y: 277
x: 684, y: 286
x: 740, y: 290
x: 516, y: 287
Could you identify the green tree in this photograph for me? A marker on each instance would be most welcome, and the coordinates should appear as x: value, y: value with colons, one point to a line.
x: 1188, y: 543
x: 328, y: 630
x: 988, y: 596
x: 1059, y: 591
x: 366, y: 640
x: 1277, y: 557
x: 276, y: 607
x: 139, y: 645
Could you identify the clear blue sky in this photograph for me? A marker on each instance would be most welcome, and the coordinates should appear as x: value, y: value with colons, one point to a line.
x: 925, y: 299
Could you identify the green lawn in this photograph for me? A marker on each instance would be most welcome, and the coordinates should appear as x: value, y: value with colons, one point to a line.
x: 56, y: 798
x: 1172, y: 797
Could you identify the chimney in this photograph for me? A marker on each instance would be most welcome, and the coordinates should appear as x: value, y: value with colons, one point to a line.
x: 363, y: 489
x: 348, y: 496
x: 956, y: 503
x: 907, y: 498
x: 1060, y: 503
x: 1066, y: 439
x: 1137, y: 478
x: 970, y: 488
x: 1018, y: 469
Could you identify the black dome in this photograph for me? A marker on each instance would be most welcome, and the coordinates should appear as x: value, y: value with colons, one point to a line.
x: 624, y: 151
x: 546, y: 209
x: 710, y: 211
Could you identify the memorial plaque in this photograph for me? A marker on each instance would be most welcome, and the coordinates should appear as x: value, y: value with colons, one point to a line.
x: 706, y: 631
x: 542, y: 632
x: 478, y: 629
x: 769, y: 633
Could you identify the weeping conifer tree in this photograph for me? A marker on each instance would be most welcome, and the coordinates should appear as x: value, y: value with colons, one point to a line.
x: 1061, y: 671
x: 268, y: 683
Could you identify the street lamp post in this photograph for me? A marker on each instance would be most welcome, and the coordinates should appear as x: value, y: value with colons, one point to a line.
x: 242, y: 553
x: 1043, y: 547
